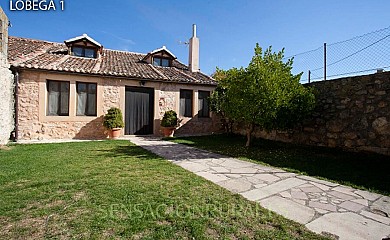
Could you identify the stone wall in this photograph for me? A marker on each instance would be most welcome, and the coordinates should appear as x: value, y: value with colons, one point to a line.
x: 169, y: 100
x: 34, y: 124
x: 200, y: 126
x: 352, y: 113
x: 6, y: 84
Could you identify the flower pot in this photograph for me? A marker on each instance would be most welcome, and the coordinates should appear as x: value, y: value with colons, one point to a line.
x: 169, y: 131
x: 115, y: 133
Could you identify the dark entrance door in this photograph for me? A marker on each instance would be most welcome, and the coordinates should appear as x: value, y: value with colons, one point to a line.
x: 139, y: 107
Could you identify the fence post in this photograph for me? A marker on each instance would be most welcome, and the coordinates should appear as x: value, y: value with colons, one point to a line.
x: 324, y: 61
x: 309, y: 76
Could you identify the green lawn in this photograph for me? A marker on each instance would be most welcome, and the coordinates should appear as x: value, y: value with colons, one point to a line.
x: 114, y: 190
x: 360, y: 170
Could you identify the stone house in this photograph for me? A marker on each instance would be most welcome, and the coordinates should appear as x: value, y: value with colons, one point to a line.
x: 64, y: 89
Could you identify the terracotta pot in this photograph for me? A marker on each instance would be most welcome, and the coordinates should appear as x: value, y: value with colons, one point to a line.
x: 169, y: 131
x: 115, y: 133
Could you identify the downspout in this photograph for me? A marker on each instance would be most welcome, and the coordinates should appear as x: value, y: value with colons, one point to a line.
x: 15, y: 134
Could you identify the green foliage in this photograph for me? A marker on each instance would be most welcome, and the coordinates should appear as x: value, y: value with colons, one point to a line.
x: 264, y: 94
x: 170, y: 119
x: 218, y: 104
x: 113, y: 119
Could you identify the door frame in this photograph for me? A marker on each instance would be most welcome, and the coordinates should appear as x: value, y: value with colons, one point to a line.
x: 151, y: 93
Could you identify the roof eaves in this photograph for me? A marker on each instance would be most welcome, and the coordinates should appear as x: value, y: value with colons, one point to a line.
x: 102, y: 74
x: 163, y: 48
x: 82, y: 37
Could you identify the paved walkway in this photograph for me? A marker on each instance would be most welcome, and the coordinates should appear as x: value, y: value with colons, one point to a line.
x: 322, y: 206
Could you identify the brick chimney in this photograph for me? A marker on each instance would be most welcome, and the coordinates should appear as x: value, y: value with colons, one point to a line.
x: 193, y: 60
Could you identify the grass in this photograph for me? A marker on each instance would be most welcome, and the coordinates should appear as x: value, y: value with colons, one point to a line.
x: 116, y: 190
x: 366, y: 171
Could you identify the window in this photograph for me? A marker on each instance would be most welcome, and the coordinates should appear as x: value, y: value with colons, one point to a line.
x: 163, y: 62
x: 84, y: 52
x: 86, y: 99
x: 57, y: 98
x: 203, y: 98
x: 186, y: 103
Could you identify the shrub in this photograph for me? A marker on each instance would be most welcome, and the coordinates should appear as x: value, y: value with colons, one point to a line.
x: 170, y: 119
x: 113, y: 119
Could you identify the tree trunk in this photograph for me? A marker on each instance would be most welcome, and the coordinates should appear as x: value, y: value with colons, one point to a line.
x: 249, y: 132
x: 230, y: 126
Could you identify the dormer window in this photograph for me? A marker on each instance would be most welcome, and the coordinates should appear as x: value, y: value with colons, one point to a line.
x: 160, y: 57
x: 84, y: 46
x: 163, y: 62
x: 84, y: 52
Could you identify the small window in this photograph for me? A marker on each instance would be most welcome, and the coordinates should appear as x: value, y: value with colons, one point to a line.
x: 57, y: 98
x: 78, y: 51
x: 163, y: 62
x: 89, y: 53
x: 84, y: 52
x: 86, y: 99
x: 186, y: 103
x: 203, y: 98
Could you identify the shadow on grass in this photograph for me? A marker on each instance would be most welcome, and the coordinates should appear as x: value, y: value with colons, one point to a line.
x: 363, y: 170
x: 127, y: 149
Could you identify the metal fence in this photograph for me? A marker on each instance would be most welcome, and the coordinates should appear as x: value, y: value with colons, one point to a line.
x: 363, y: 54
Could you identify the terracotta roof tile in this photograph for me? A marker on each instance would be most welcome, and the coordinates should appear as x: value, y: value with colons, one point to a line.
x: 36, y: 54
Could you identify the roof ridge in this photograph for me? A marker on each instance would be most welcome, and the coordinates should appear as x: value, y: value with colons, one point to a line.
x: 37, y: 40
x: 124, y: 51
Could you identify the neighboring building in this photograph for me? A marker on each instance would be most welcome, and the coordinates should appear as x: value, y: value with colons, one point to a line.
x: 6, y: 84
x: 65, y: 89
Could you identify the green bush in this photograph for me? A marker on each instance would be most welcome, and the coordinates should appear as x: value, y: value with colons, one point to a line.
x: 113, y: 118
x: 170, y: 119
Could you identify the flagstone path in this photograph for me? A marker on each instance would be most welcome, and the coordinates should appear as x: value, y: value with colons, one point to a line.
x: 324, y: 207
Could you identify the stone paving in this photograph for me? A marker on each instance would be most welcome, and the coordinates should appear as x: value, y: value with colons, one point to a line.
x: 324, y: 207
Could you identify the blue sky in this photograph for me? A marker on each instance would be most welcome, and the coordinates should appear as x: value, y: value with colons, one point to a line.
x: 228, y: 30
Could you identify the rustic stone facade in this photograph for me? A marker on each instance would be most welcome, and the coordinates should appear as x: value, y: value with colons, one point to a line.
x: 34, y: 124
x: 167, y: 98
x: 352, y: 113
x: 6, y: 84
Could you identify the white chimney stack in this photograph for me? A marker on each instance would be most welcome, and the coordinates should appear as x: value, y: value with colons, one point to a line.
x: 193, y: 61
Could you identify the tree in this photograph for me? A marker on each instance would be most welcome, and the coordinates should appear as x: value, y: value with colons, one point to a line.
x: 264, y: 94
x: 218, y: 102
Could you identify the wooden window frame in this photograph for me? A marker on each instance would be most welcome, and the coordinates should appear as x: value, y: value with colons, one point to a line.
x: 83, y: 51
x: 200, y: 108
x: 182, y: 91
x: 59, y: 113
x: 87, y: 103
x: 161, y: 60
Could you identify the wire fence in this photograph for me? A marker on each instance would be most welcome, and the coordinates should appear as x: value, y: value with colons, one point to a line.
x: 360, y: 55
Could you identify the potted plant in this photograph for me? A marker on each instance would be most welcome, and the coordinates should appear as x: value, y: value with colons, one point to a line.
x: 169, y: 123
x: 113, y: 121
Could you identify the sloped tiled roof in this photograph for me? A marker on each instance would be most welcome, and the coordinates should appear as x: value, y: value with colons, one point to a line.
x: 43, y: 55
